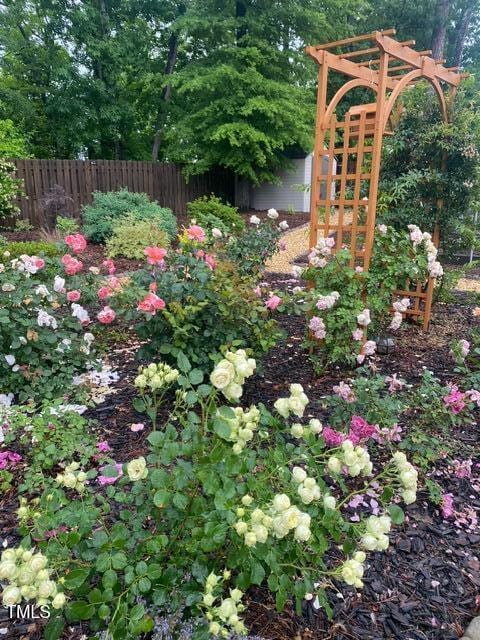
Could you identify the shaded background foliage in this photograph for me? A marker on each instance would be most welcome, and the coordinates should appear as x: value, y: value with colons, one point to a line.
x: 201, y: 82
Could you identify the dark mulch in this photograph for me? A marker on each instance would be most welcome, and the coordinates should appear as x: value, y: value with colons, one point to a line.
x: 401, y: 598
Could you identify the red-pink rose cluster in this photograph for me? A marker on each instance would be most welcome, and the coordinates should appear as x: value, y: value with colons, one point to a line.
x: 72, y: 265
x: 76, y: 242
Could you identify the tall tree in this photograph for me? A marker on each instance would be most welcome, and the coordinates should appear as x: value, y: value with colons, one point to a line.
x: 439, y: 35
x: 246, y: 94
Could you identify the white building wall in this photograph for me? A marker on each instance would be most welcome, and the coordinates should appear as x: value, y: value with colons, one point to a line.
x: 283, y: 196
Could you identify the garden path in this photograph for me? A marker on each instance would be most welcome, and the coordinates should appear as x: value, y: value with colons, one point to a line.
x: 297, y: 243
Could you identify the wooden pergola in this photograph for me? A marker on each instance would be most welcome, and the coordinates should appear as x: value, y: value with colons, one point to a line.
x: 344, y: 203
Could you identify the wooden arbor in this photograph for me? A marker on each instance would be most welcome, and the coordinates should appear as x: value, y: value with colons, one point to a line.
x: 344, y: 202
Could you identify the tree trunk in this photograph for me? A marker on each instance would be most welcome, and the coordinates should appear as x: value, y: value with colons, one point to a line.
x: 461, y: 34
x: 240, y: 13
x: 440, y: 29
x: 167, y: 90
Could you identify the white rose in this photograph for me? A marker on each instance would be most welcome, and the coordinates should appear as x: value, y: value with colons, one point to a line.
x: 233, y: 391
x: 281, y: 502
x: 8, y: 569
x: 334, y: 464
x: 297, y: 405
x: 369, y: 542
x: 254, y: 220
x: 283, y: 225
x: 38, y: 562
x: 302, y: 533
x: 296, y: 430
x: 250, y: 539
x: 282, y: 406
x: 59, y: 601
x: 329, y: 502
x: 261, y: 532
x: 216, y: 233
x: 272, y: 214
x: 223, y: 374
x: 241, y: 528
x: 409, y: 496
x: 11, y: 596
x: 46, y: 589
x: 137, y: 469
x: 299, y: 474
x: 315, y: 426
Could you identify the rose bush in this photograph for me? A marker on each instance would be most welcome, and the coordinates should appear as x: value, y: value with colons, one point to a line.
x: 348, y: 308
x: 200, y: 514
x: 190, y: 303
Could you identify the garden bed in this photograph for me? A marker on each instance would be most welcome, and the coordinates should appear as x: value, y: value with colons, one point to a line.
x: 424, y: 586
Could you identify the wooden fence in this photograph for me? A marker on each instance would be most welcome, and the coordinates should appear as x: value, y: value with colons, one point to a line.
x: 68, y: 184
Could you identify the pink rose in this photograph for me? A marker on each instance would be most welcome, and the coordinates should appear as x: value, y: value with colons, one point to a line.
x: 210, y: 261
x: 273, y: 302
x: 155, y: 255
x: 151, y: 303
x: 39, y: 263
x: 109, y: 266
x: 104, y: 292
x: 103, y: 480
x: 194, y: 232
x: 73, y: 296
x: 106, y: 315
x: 71, y: 264
x: 103, y: 446
x: 333, y: 438
x: 76, y: 242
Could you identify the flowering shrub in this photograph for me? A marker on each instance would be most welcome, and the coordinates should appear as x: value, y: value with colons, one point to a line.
x: 42, y: 342
x: 27, y: 577
x: 251, y: 249
x: 199, y: 512
x: 190, y: 304
x: 47, y: 438
x: 211, y: 213
x: 348, y: 305
x: 10, y: 188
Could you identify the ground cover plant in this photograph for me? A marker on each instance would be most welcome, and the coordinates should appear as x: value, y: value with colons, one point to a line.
x: 161, y: 484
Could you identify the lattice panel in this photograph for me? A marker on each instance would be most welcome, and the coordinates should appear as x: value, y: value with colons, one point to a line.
x: 344, y: 201
x: 342, y: 206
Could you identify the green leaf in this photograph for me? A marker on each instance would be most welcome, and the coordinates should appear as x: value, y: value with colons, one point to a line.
x: 222, y: 427
x: 54, y: 628
x: 396, y: 513
x: 161, y: 498
x: 257, y: 573
x: 76, y: 578
x: 81, y: 610
x: 183, y: 362
x: 180, y: 500
x: 109, y: 579
x: 196, y: 376
x: 158, y: 478
x: 156, y: 438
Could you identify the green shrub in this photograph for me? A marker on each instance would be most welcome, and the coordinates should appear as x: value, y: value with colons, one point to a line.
x: 65, y: 225
x: 131, y: 236
x: 10, y: 188
x: 209, y: 212
x: 23, y: 225
x: 108, y: 208
x: 30, y: 248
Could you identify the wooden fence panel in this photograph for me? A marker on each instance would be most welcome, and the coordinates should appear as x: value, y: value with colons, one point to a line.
x: 78, y: 179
